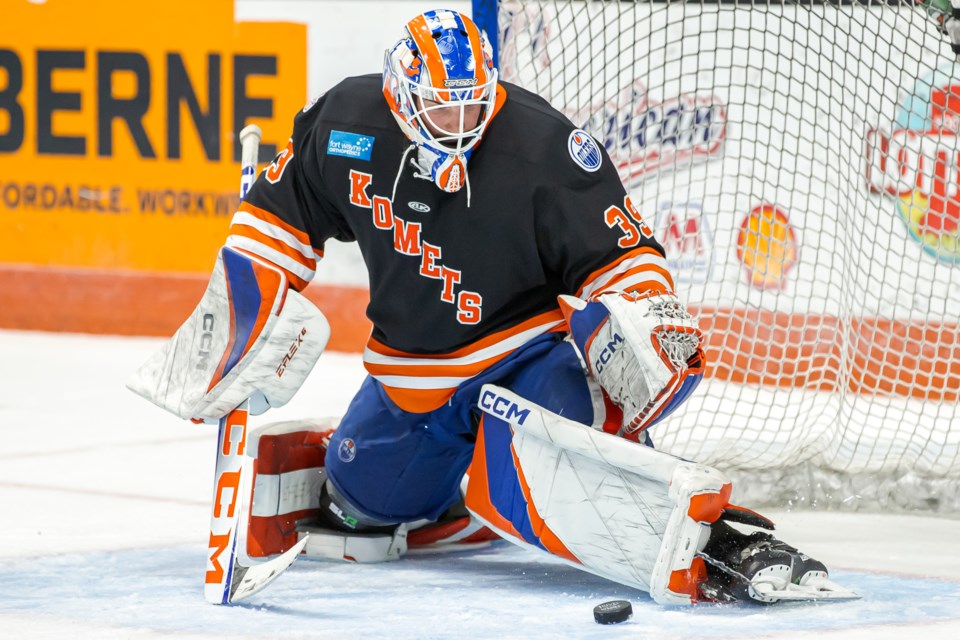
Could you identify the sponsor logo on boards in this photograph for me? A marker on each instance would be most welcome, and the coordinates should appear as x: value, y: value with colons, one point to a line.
x: 644, y: 137
x: 917, y: 162
x: 684, y: 232
x: 767, y: 246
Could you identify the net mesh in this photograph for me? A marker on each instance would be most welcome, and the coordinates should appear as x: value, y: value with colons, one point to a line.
x: 799, y: 163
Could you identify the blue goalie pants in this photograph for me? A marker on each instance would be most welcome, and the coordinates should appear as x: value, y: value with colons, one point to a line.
x: 396, y: 466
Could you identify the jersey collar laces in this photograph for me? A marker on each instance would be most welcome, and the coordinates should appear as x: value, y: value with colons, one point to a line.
x: 440, y: 84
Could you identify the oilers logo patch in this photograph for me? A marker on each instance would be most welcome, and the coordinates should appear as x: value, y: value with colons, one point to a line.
x: 347, y: 450
x: 584, y: 150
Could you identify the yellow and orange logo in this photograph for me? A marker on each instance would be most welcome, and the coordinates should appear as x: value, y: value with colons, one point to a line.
x: 767, y: 246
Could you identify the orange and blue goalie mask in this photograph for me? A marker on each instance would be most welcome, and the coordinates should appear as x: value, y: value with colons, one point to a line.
x: 440, y: 84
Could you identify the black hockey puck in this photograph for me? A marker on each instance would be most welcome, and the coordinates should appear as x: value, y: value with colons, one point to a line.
x: 612, y: 612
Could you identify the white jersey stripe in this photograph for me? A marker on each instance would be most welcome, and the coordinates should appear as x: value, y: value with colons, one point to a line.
x: 637, y: 278
x: 272, y: 255
x: 273, y: 231
x: 645, y: 259
x: 413, y: 382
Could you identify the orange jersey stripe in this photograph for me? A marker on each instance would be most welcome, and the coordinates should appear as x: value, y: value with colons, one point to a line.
x: 293, y: 279
x: 644, y: 258
x: 644, y: 285
x: 438, y: 369
x: 419, y: 400
x: 260, y: 233
x: 259, y: 236
x: 422, y: 383
x: 627, y: 256
x: 544, y: 318
x: 270, y: 218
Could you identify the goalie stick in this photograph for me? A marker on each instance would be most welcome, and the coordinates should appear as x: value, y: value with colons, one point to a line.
x: 230, y: 577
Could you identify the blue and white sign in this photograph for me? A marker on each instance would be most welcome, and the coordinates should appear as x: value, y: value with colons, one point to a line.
x: 584, y: 150
x: 350, y: 145
x: 684, y: 231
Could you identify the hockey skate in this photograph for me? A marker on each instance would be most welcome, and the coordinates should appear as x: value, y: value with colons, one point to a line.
x: 759, y: 568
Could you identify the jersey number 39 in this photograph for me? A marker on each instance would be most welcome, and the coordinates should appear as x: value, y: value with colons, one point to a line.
x: 630, y: 223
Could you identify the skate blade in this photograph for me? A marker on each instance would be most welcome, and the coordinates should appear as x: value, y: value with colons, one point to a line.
x: 813, y: 589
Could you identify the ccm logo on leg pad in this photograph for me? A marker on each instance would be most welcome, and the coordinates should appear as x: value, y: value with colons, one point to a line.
x: 502, y: 407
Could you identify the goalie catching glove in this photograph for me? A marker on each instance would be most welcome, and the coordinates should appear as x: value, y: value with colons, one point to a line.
x: 250, y: 337
x: 643, y: 349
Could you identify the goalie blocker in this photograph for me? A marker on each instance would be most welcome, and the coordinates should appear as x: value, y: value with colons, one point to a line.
x: 250, y: 337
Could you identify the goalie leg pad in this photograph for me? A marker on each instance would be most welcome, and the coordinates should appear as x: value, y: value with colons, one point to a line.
x: 615, y: 508
x: 286, y: 503
x: 288, y: 475
x: 288, y: 480
x: 250, y: 337
x: 354, y: 546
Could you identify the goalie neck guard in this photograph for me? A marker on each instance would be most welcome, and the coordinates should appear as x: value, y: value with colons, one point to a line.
x: 440, y: 84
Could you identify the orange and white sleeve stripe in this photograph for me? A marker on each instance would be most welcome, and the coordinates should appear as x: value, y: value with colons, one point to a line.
x: 260, y: 233
x: 420, y: 383
x: 643, y: 269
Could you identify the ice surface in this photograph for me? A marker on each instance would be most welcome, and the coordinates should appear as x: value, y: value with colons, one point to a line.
x: 105, y: 505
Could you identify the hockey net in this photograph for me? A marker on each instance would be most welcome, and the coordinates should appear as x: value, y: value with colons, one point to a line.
x: 799, y: 163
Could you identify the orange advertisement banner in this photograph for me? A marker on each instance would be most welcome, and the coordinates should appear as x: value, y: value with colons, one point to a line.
x: 118, y: 125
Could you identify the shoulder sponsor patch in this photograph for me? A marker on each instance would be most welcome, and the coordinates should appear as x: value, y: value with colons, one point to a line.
x: 350, y: 145
x: 584, y: 150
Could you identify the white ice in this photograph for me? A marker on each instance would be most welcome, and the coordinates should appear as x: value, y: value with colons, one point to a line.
x: 105, y: 507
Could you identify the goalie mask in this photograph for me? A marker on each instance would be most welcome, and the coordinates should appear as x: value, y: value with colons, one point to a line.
x: 440, y: 84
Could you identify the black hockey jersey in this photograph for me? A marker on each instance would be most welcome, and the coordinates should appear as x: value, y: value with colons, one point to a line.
x: 457, y: 280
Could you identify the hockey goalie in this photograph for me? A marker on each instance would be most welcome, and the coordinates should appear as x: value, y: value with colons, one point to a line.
x: 526, y: 336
